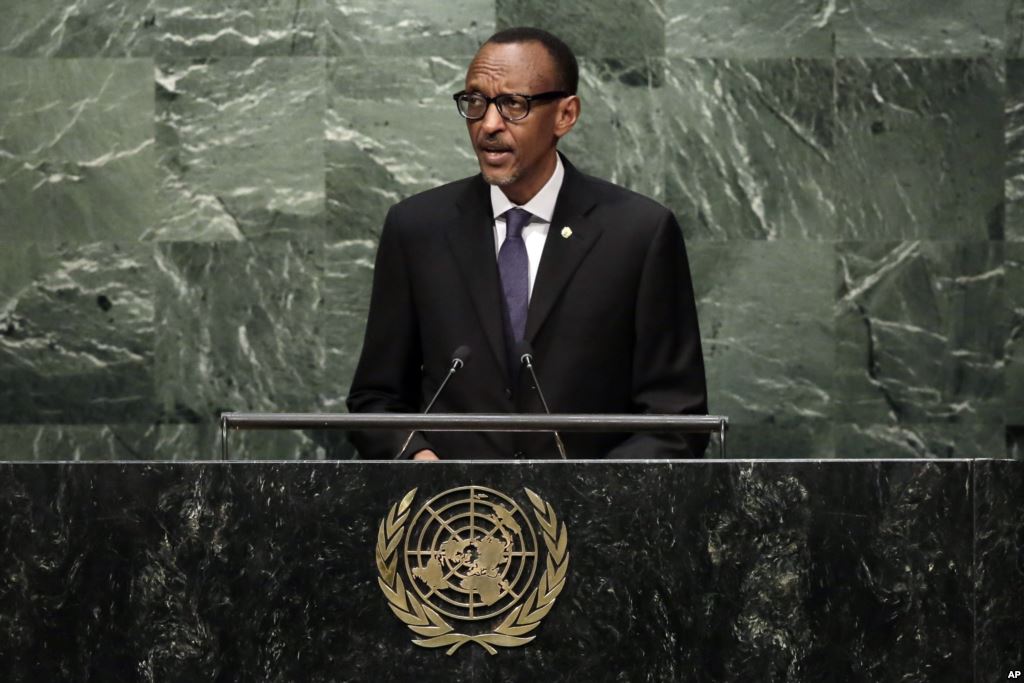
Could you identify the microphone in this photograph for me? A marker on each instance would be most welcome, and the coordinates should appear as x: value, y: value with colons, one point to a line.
x: 459, y: 358
x: 525, y: 354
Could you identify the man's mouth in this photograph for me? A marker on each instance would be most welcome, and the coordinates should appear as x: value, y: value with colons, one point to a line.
x: 495, y: 154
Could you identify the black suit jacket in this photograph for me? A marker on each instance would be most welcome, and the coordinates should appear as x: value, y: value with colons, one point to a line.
x: 611, y: 320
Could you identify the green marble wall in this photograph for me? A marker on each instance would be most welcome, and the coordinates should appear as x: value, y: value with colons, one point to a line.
x: 190, y: 196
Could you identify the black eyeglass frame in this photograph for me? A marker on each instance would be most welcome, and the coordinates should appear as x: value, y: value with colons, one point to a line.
x: 550, y: 95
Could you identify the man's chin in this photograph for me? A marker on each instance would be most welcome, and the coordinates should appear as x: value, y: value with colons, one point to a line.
x: 499, y: 180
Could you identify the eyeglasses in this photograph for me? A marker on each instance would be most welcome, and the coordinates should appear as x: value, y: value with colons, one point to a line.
x: 511, y: 106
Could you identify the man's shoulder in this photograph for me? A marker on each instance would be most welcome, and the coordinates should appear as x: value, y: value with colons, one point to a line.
x: 618, y: 198
x: 436, y: 199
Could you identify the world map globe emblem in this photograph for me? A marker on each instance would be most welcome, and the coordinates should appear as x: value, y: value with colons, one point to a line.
x: 471, y: 553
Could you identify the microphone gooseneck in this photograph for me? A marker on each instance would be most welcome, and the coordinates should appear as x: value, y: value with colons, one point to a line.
x: 525, y: 354
x: 459, y: 358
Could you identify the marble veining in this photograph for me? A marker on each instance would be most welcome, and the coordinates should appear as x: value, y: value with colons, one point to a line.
x: 77, y: 334
x: 756, y: 374
x: 1014, y: 141
x: 391, y: 130
x: 751, y: 148
x: 243, y: 327
x: 905, y: 348
x: 367, y: 30
x: 76, y: 149
x: 241, y: 149
x: 750, y: 29
x: 594, y: 29
x: 921, y: 149
x: 920, y: 28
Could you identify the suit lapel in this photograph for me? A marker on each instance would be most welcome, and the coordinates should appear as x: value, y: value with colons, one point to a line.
x: 562, y: 254
x: 471, y: 238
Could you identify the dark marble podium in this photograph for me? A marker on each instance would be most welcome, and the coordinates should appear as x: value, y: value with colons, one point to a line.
x: 874, y: 570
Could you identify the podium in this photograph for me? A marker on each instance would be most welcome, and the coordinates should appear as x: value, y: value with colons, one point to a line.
x: 715, y: 570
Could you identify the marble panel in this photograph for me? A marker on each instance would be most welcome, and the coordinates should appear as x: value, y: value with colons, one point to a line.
x: 788, y: 438
x: 78, y: 442
x: 920, y: 149
x: 934, y: 440
x: 921, y: 331
x: 999, y: 570
x: 392, y: 130
x: 347, y: 283
x: 222, y: 28
x: 704, y: 572
x: 1014, y: 117
x: 617, y: 29
x: 408, y: 28
x: 76, y: 149
x: 241, y: 149
x: 254, y: 445
x: 620, y: 136
x: 76, y: 334
x: 163, y: 443
x: 766, y: 329
x: 884, y: 629
x: 750, y: 148
x: 85, y: 28
x: 176, y: 442
x: 749, y: 28
x: 1014, y: 353
x: 167, y: 28
x: 240, y: 328
x: 920, y: 28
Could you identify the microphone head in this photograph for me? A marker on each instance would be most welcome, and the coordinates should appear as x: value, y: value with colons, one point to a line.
x: 524, y: 352
x: 461, y: 355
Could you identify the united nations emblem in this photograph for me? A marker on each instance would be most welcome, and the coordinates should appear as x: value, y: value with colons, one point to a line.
x: 471, y: 555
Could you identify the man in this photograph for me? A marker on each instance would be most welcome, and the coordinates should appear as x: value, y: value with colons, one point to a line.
x: 592, y: 276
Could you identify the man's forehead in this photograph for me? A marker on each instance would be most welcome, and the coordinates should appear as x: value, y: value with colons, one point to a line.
x: 524, y: 65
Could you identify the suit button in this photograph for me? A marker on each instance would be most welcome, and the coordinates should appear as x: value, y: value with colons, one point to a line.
x: 508, y: 393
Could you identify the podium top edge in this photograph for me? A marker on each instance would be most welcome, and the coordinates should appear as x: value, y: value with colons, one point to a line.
x: 519, y: 463
x: 475, y: 421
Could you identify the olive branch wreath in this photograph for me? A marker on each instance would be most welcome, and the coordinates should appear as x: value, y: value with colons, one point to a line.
x: 425, y: 621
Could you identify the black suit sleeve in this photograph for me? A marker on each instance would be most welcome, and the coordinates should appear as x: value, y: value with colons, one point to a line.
x: 668, y: 365
x: 387, y: 378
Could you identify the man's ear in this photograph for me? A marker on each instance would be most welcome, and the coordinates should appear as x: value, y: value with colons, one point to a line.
x: 568, y: 114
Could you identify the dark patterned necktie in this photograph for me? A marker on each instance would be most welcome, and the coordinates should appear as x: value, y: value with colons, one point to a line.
x: 514, y: 267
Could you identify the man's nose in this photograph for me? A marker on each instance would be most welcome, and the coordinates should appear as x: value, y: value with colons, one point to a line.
x: 492, y: 121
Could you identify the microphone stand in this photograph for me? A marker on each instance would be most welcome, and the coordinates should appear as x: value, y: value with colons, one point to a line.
x: 457, y: 363
x: 527, y: 360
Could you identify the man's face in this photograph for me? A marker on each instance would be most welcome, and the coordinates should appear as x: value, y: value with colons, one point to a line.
x: 518, y: 156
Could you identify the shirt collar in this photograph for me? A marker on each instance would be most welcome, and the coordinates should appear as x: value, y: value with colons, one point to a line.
x: 542, y: 205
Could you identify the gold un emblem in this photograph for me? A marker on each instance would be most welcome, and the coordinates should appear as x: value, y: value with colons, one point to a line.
x: 471, y: 555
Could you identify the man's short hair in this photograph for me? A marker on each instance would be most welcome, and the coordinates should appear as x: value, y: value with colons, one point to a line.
x: 566, y: 68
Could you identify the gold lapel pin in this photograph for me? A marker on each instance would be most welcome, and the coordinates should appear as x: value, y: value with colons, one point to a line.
x: 566, y: 232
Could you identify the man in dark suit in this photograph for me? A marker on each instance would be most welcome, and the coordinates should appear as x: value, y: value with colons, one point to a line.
x: 592, y: 276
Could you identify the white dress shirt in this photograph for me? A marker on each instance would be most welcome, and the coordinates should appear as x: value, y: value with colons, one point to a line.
x: 542, y: 206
